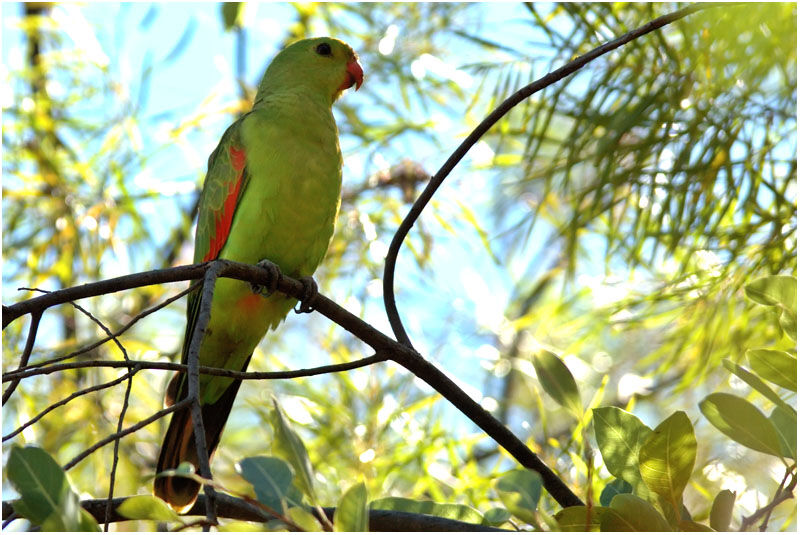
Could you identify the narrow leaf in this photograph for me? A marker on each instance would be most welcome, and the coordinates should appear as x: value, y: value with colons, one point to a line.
x: 289, y: 444
x: 557, y: 381
x: 304, y: 518
x: 351, y: 512
x: 741, y: 421
x: 753, y: 380
x: 777, y: 367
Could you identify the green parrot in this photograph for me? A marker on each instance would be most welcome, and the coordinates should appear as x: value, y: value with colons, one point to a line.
x: 272, y: 191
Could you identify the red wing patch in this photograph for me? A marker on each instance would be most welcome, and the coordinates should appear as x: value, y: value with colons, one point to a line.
x: 224, y: 218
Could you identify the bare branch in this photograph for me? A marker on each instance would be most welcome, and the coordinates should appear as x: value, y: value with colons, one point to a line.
x: 480, y: 130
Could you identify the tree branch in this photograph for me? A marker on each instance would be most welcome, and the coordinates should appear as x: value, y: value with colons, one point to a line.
x: 237, y: 509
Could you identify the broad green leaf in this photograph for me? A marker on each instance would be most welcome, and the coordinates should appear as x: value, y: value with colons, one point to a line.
x: 304, y: 518
x: 288, y: 443
x: 496, y: 516
x: 271, y: 479
x: 558, y: 382
x: 741, y: 421
x: 631, y: 513
x: 519, y: 491
x: 618, y: 486
x: 751, y: 379
x: 775, y: 290
x: 147, y: 508
x: 667, y: 457
x: 39, y: 480
x: 722, y: 510
x: 785, y: 422
x: 579, y: 518
x: 619, y: 436
x: 453, y: 511
x: 777, y: 367
x: 788, y: 323
x: 351, y: 512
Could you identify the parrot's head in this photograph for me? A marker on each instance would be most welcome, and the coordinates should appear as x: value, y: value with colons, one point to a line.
x: 322, y: 64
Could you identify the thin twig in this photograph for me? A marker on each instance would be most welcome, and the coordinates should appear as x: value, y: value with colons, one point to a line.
x: 66, y: 400
x: 34, y: 327
x: 127, y: 431
x: 193, y: 374
x: 120, y: 331
x: 479, y: 131
x: 204, y: 370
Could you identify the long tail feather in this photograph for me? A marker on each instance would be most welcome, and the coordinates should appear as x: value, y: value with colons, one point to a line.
x: 179, y: 446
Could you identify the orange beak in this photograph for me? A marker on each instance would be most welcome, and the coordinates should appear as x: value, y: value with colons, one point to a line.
x: 355, y: 76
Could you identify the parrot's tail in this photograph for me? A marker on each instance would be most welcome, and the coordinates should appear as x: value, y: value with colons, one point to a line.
x: 179, y: 446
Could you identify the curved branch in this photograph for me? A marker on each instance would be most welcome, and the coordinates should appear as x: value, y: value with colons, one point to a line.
x: 480, y: 130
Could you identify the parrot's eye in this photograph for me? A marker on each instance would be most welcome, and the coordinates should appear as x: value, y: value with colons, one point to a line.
x: 324, y: 49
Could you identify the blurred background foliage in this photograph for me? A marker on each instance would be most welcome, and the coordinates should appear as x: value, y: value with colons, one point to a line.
x: 613, y: 217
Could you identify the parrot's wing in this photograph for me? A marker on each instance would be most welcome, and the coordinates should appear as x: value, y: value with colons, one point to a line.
x: 226, y: 181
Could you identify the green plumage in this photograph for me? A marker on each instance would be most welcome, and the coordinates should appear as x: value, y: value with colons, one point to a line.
x: 271, y: 192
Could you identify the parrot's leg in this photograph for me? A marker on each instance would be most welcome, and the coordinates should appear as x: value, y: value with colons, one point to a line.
x: 310, y: 291
x: 274, y: 274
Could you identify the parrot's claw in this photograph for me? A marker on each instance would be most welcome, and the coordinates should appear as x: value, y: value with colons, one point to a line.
x: 310, y: 291
x: 265, y: 290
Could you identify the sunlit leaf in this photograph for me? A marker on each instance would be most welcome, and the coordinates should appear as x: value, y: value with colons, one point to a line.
x: 631, y: 513
x: 777, y: 367
x: 351, y: 512
x: 579, y: 518
x: 557, y: 381
x: 741, y: 421
x: 722, y: 510
x: 667, y: 456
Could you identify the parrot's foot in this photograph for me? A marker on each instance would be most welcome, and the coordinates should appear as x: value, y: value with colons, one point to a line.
x: 274, y: 273
x: 310, y: 291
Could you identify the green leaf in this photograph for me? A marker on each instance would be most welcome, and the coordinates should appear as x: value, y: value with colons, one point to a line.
x: 519, y: 491
x: 618, y: 486
x: 667, y: 457
x: 287, y: 443
x: 558, y: 382
x: 778, y: 291
x: 271, y: 479
x: 496, y: 516
x: 40, y: 482
x: 753, y: 380
x: 619, y: 436
x: 351, y: 512
x: 775, y: 290
x: 148, y: 508
x: 777, y: 367
x: 722, y: 510
x: 691, y: 525
x: 242, y: 526
x: 785, y: 422
x: 631, y: 513
x: 453, y: 511
x: 304, y: 518
x: 232, y: 14
x: 741, y: 421
x: 579, y: 518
